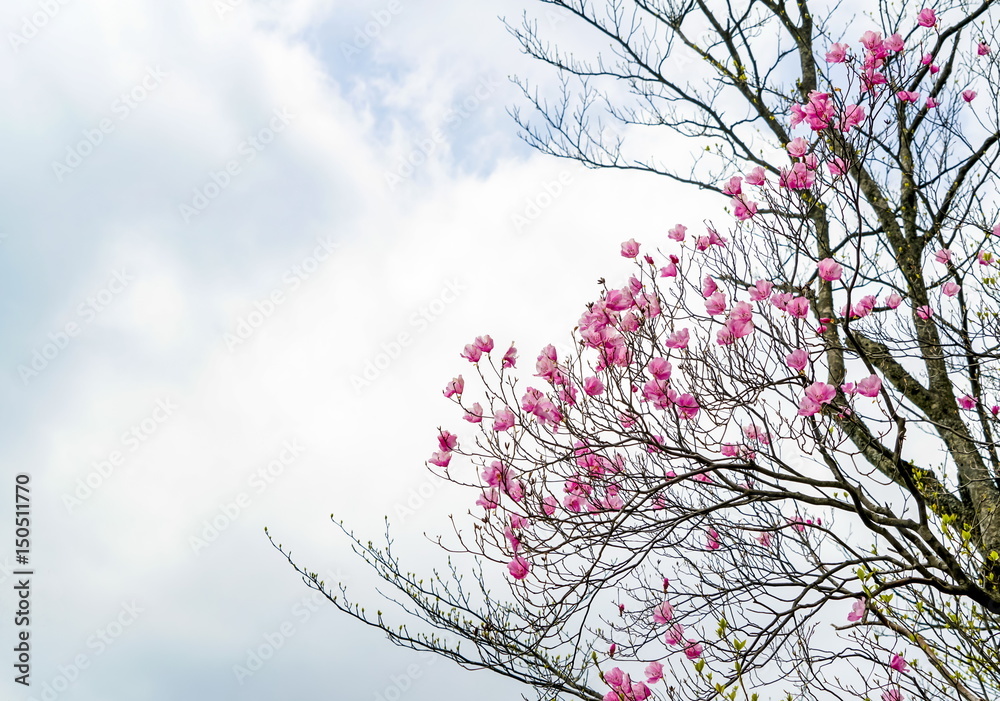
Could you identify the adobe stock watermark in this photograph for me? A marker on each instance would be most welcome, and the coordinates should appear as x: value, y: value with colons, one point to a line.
x: 420, y: 320
x: 32, y: 24
x: 224, y: 7
x: 536, y: 205
x: 217, y: 181
x: 58, y: 340
x: 98, y: 642
x: 131, y: 440
x: 417, y: 497
x: 407, y: 165
x: 399, y: 684
x: 6, y: 570
x: 229, y: 512
x: 266, y: 306
x: 302, y: 612
x: 121, y: 108
x: 365, y: 34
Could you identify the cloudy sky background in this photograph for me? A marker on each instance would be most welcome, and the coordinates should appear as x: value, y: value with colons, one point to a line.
x: 108, y: 254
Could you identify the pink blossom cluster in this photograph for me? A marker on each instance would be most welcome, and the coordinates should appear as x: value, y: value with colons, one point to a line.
x: 876, y: 50
x: 623, y: 688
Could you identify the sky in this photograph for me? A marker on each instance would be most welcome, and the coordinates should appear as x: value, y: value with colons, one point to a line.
x: 241, y: 246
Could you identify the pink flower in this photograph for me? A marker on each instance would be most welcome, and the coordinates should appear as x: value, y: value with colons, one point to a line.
x: 614, y: 677
x: 894, y: 43
x: 708, y: 287
x: 837, y: 53
x: 927, y: 18
x: 503, y: 420
x: 549, y: 505
x: 899, y: 664
x: 441, y: 459
x: 799, y: 177
x: 753, y: 432
x: 489, y: 499
x: 829, y: 269
x: 872, y: 41
x: 738, y: 327
x: 741, y: 311
x: 781, y: 300
x: 798, y: 147
x: 472, y: 353
x: 675, y: 635
x: 492, y: 474
x: 893, y: 300
x: 893, y: 694
x: 950, y: 289
x: 515, y: 542
x: 518, y: 567
x: 663, y: 613
x: 927, y: 59
x: 456, y: 386
x: 716, y: 304
x: 764, y: 539
x: 510, y: 357
x: 630, y: 249
x: 484, y: 343
x: 677, y: 233
x: 932, y: 103
x: 756, y: 176
x: 821, y: 393
x: 863, y: 308
x: 870, y: 78
x: 798, y: 524
x: 908, y: 96
x: 966, y: 402
x: 712, y: 238
x: 817, y: 112
x: 797, y: 359
x: 761, y: 291
x: 593, y: 387
x: 733, y: 186
x: 925, y: 312
x: 654, y: 672
x: 687, y: 405
x: 678, y: 339
x: 969, y: 95
x: 447, y: 440
x: 852, y: 116
x: 870, y: 386
x: 475, y: 414
x: 838, y: 166
x: 712, y: 540
x: 659, y: 368
x: 798, y: 307
x: 743, y: 209
x: 638, y: 691
x: 982, y: 49
x: 817, y: 394
x: 857, y: 610
x: 693, y: 650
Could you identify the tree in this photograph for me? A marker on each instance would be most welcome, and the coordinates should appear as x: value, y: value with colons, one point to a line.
x: 768, y: 465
